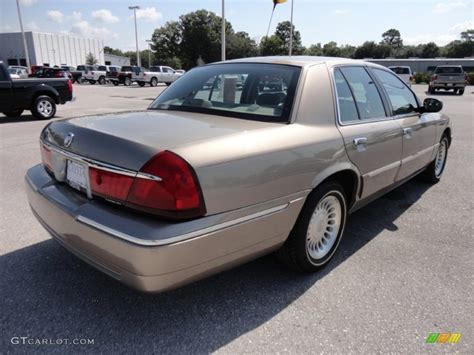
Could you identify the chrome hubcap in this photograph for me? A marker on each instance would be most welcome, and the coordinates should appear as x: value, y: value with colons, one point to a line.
x: 45, y: 108
x: 323, y: 227
x: 440, y: 158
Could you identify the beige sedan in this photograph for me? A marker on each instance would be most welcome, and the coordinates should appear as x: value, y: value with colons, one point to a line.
x: 233, y: 161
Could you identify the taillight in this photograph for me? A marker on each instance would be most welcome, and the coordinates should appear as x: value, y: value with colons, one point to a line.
x: 466, y: 78
x: 92, y: 73
x: 109, y: 184
x: 46, y: 156
x: 168, y: 184
x: 58, y: 74
x: 69, y: 86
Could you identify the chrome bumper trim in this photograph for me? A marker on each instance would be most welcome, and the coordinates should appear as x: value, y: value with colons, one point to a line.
x: 183, y: 237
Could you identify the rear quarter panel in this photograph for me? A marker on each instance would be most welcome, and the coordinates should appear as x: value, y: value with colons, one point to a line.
x: 263, y: 165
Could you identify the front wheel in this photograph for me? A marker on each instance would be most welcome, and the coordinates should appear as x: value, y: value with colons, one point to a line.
x: 433, y: 172
x: 318, y: 230
x: 153, y: 82
x: 14, y: 113
x: 44, y: 108
x: 461, y: 92
x: 127, y: 81
x: 115, y: 83
x: 101, y: 80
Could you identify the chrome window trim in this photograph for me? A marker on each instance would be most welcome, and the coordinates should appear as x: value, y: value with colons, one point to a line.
x: 338, y: 112
x: 183, y: 237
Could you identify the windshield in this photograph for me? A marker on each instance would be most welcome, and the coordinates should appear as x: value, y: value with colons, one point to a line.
x: 400, y: 70
x: 449, y: 70
x: 262, y: 92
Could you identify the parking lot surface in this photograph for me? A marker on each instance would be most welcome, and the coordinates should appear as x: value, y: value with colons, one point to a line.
x: 403, y: 270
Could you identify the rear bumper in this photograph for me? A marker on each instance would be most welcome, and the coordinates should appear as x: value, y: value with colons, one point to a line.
x: 441, y: 85
x: 152, y: 255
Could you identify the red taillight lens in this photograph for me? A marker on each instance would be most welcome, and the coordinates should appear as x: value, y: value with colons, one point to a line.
x: 110, y: 185
x: 69, y: 86
x: 46, y: 156
x: 178, y: 191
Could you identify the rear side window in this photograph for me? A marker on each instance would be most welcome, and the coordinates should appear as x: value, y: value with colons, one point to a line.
x: 402, y: 99
x: 448, y: 70
x: 366, y: 95
x: 400, y: 70
x: 346, y: 103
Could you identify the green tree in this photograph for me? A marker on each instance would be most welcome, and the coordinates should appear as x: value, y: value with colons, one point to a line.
x: 283, y: 32
x: 113, y: 51
x: 314, y: 49
x: 430, y: 50
x: 468, y: 35
x: 272, y: 45
x: 166, y: 41
x: 239, y: 45
x: 392, y: 38
x: 91, y: 59
x: 331, y: 49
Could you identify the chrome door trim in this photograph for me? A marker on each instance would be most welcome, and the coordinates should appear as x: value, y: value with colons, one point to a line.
x: 195, y: 234
x: 383, y: 169
x: 414, y: 156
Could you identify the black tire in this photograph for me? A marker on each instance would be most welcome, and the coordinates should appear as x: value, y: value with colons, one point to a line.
x: 431, y: 90
x: 101, y: 80
x: 14, y: 113
x: 127, y: 81
x: 92, y: 82
x: 432, y: 173
x: 153, y: 82
x: 44, y: 107
x: 295, y: 252
x: 168, y: 84
x: 141, y: 83
x: 461, y: 92
x: 115, y: 83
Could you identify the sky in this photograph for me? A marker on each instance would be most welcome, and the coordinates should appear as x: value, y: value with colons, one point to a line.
x: 319, y: 21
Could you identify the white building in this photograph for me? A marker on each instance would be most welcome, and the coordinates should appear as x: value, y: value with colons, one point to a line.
x: 49, y: 48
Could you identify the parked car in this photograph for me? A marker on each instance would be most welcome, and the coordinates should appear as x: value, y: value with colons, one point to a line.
x: 167, y: 75
x: 78, y: 75
x: 40, y: 96
x: 18, y: 73
x: 180, y: 71
x: 403, y: 72
x: 47, y: 72
x: 124, y: 76
x: 209, y: 178
x: 448, y: 77
x: 97, y: 74
x: 112, y: 72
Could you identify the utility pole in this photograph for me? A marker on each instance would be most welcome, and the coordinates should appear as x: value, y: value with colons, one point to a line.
x: 291, y: 30
x: 149, y: 41
x: 135, y: 8
x: 25, y: 47
x: 223, y: 33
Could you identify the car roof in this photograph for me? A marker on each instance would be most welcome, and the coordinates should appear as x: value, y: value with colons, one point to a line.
x: 301, y: 61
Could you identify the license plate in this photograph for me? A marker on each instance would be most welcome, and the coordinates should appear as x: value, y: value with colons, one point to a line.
x: 76, y: 175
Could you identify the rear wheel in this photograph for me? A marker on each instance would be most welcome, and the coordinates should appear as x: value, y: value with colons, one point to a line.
x: 153, y: 82
x: 44, y: 108
x: 127, y: 81
x: 318, y: 230
x: 461, y: 92
x: 101, y: 80
x: 141, y: 83
x: 431, y: 89
x: 14, y: 113
x: 434, y: 171
x: 115, y: 83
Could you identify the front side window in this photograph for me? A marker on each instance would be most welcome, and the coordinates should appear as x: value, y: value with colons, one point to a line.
x: 249, y: 91
x: 345, y: 100
x: 402, y: 99
x: 367, y: 97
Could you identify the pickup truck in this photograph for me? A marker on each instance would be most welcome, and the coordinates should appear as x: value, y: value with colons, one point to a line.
x: 123, y: 76
x: 40, y: 96
x: 156, y: 74
x: 98, y: 74
x: 448, y: 77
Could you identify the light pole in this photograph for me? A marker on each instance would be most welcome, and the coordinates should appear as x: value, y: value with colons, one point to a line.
x: 291, y: 31
x: 27, y: 57
x: 135, y: 8
x: 149, y: 41
x: 223, y: 33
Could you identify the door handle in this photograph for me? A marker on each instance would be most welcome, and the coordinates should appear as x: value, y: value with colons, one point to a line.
x: 360, y: 141
x: 407, y: 132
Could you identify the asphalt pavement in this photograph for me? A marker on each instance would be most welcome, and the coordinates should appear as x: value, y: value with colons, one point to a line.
x: 403, y: 270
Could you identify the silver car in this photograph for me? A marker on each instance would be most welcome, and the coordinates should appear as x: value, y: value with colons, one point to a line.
x: 235, y: 160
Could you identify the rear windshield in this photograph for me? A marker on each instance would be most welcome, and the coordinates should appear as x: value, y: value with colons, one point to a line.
x: 126, y: 68
x: 400, y: 70
x: 448, y: 70
x: 81, y: 67
x: 102, y: 68
x: 261, y: 92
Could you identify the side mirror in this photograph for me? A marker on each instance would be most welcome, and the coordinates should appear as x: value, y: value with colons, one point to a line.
x: 432, y: 105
